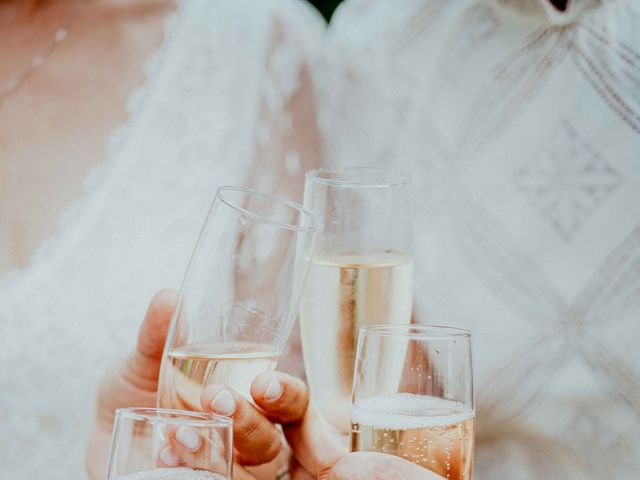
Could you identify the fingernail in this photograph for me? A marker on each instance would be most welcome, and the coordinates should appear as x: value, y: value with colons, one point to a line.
x: 223, y: 403
x: 169, y: 457
x: 273, y: 390
x: 188, y: 437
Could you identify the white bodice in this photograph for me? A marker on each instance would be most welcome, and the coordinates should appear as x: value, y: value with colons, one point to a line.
x: 521, y: 127
x: 223, y: 67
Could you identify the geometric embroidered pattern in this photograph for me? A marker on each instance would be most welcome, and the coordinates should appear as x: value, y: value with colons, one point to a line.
x: 566, y: 183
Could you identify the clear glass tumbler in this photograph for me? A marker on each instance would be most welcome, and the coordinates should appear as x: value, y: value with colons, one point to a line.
x: 154, y: 444
x: 413, y: 397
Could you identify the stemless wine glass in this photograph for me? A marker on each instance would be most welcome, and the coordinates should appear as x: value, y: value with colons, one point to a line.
x: 361, y: 274
x: 413, y: 396
x: 154, y: 444
x: 240, y: 295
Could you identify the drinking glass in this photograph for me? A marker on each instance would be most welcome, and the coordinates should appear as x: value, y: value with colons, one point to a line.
x: 240, y: 295
x: 413, y: 396
x: 361, y: 274
x: 154, y: 444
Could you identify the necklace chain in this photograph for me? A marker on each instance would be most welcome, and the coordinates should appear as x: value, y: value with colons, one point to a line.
x: 40, y: 59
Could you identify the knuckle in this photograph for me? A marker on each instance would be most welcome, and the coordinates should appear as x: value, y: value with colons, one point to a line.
x: 273, y: 449
x: 250, y: 426
x: 260, y: 440
x: 295, y: 404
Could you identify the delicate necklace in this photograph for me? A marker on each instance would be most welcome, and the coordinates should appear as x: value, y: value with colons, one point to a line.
x: 58, y: 37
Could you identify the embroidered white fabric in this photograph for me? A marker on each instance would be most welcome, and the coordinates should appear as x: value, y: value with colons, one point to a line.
x: 225, y: 67
x: 521, y: 127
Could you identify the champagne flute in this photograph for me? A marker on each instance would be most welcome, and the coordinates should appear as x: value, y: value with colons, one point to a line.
x: 240, y: 295
x: 158, y: 444
x: 361, y: 274
x: 413, y: 396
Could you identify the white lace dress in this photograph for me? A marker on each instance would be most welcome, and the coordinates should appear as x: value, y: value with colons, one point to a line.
x: 217, y: 108
x: 521, y: 126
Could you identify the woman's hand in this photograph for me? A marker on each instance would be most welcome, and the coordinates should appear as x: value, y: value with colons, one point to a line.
x: 317, y: 455
x: 133, y: 382
x: 279, y: 398
x: 377, y: 466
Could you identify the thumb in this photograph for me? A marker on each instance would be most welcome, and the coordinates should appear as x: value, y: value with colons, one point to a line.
x: 132, y: 382
x: 145, y: 362
x: 378, y: 466
x: 313, y: 447
x: 155, y: 326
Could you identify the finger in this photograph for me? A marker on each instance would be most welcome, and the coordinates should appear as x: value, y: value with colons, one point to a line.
x: 241, y: 473
x: 186, y: 446
x: 313, y: 447
x: 255, y: 438
x: 154, y: 328
x: 275, y: 468
x: 283, y: 398
x: 144, y: 365
x: 297, y: 472
x: 377, y: 466
x: 169, y: 458
x: 186, y: 440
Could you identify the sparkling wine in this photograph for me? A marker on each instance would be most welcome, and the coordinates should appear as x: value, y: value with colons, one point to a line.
x: 435, y: 433
x: 188, y: 370
x: 172, y: 474
x: 343, y: 293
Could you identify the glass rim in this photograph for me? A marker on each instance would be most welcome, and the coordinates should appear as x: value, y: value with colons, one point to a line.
x: 400, y: 178
x: 413, y: 331
x: 182, y: 417
x: 315, y: 220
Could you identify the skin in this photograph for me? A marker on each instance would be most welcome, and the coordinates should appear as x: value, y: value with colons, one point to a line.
x: 43, y: 157
x: 279, y: 399
x: 377, y: 466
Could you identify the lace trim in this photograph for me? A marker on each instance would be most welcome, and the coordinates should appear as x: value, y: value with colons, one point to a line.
x: 96, y: 178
